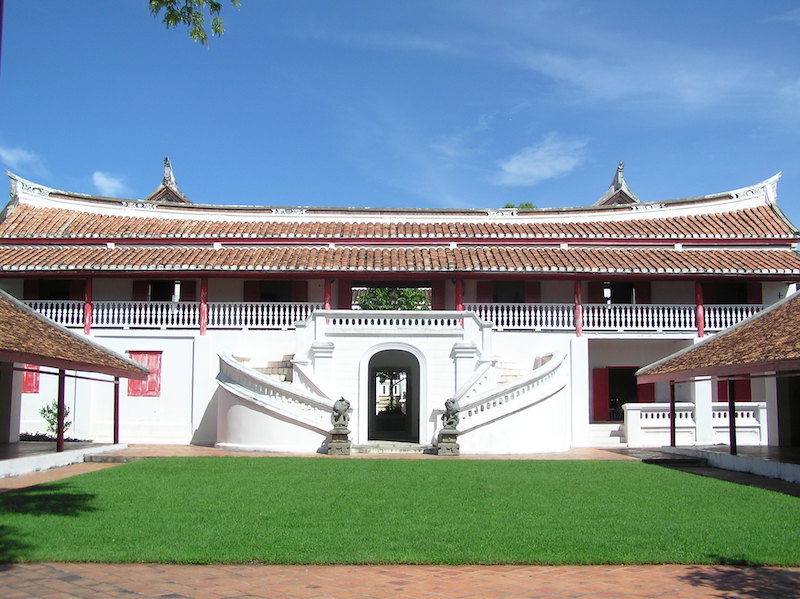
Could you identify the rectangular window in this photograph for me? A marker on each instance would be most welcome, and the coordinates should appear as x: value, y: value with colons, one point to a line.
x: 30, y: 380
x: 151, y: 387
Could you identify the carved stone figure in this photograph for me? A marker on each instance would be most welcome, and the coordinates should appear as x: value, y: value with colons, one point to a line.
x: 450, y: 416
x: 340, y: 418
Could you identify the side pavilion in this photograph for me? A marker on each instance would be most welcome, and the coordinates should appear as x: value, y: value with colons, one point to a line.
x: 28, y: 340
x: 765, y: 346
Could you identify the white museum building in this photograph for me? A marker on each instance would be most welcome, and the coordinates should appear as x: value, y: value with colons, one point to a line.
x: 533, y: 322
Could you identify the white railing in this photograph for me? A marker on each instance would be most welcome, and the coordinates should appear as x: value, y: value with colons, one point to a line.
x: 159, y: 315
x: 554, y: 317
x: 722, y: 316
x: 258, y: 315
x: 538, y: 385
x: 648, y: 424
x: 291, y: 402
x: 638, y: 317
x: 68, y: 313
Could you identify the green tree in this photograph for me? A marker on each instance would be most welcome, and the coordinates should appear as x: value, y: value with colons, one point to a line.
x: 394, y: 298
x: 521, y: 206
x: 50, y: 414
x: 192, y: 13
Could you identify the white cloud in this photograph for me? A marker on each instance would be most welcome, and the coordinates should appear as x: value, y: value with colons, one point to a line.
x: 19, y: 159
x: 549, y: 158
x: 792, y: 16
x: 109, y: 185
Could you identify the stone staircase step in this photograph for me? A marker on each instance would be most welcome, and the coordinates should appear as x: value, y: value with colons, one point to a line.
x: 384, y: 447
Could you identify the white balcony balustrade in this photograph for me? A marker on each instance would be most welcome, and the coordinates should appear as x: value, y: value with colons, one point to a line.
x: 503, y: 316
x: 258, y: 315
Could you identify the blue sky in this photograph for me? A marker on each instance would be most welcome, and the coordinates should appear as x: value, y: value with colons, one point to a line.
x: 420, y: 103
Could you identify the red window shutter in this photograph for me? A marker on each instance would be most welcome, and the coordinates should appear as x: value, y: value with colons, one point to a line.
x: 533, y: 292
x: 754, y: 293
x: 646, y: 393
x: 742, y: 390
x: 30, y: 380
x: 600, y: 394
x: 722, y: 389
x: 188, y: 290
x: 251, y: 291
x: 299, y: 291
x: 437, y: 295
x: 345, y: 295
x: 642, y: 292
x: 594, y: 293
x: 30, y: 289
x: 484, y: 292
x: 141, y: 291
x: 151, y: 387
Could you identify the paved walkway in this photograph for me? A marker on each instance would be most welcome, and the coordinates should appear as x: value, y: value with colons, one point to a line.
x: 112, y: 581
x: 83, y: 581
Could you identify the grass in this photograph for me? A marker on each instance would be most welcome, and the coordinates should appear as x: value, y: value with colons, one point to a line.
x: 316, y: 511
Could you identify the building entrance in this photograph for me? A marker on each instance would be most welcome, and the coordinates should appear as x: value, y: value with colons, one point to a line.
x: 393, y: 397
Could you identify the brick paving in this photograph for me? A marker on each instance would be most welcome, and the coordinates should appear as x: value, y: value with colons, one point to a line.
x: 112, y: 581
x: 130, y: 581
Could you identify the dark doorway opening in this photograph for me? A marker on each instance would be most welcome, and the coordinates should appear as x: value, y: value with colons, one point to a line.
x: 394, y: 397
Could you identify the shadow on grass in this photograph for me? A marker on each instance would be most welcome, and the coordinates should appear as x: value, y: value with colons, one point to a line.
x: 53, y: 499
x: 745, y: 580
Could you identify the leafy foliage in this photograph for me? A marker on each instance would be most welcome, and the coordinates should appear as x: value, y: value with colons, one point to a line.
x: 521, y: 206
x: 192, y: 14
x: 50, y: 414
x: 394, y: 298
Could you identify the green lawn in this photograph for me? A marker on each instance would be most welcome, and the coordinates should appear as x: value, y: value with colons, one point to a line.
x: 295, y: 510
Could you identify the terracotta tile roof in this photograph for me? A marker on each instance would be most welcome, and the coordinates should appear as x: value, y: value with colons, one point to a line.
x: 476, y: 259
x: 27, y: 221
x: 28, y: 337
x: 765, y: 342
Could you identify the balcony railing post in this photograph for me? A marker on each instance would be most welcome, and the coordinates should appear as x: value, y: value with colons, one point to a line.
x: 700, y: 311
x: 87, y: 307
x: 578, y: 309
x: 203, y: 305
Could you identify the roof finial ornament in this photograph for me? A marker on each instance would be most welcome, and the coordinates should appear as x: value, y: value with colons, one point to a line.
x: 169, y: 176
x: 618, y: 192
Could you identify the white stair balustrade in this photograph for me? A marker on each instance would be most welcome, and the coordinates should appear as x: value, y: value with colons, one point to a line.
x: 68, y: 313
x: 506, y: 399
x: 751, y: 422
x: 284, y: 399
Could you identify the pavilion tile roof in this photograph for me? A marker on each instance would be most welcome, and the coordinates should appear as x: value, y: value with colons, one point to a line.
x: 766, y: 342
x: 28, y: 221
x: 476, y: 259
x: 28, y: 337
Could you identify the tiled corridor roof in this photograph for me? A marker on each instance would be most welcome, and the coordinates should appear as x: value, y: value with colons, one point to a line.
x: 27, y: 221
x: 658, y: 261
x: 767, y: 342
x: 28, y: 337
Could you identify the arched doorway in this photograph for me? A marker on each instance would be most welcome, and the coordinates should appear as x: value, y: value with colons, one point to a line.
x: 393, y: 386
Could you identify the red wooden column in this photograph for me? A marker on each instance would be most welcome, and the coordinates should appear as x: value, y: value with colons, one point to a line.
x: 672, y: 424
x: 87, y: 307
x: 203, y: 305
x: 327, y: 299
x: 699, y: 309
x: 62, y: 387
x: 578, y: 309
x: 732, y: 415
x: 459, y: 295
x: 116, y: 410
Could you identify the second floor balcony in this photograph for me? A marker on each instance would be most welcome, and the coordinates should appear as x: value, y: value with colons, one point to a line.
x: 599, y: 318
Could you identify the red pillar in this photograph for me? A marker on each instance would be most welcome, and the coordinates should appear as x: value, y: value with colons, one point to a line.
x: 116, y: 410
x: 699, y: 310
x: 459, y: 295
x: 327, y: 300
x: 62, y: 387
x: 203, y: 305
x: 672, y: 424
x: 87, y: 307
x: 578, y: 309
x: 732, y: 415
